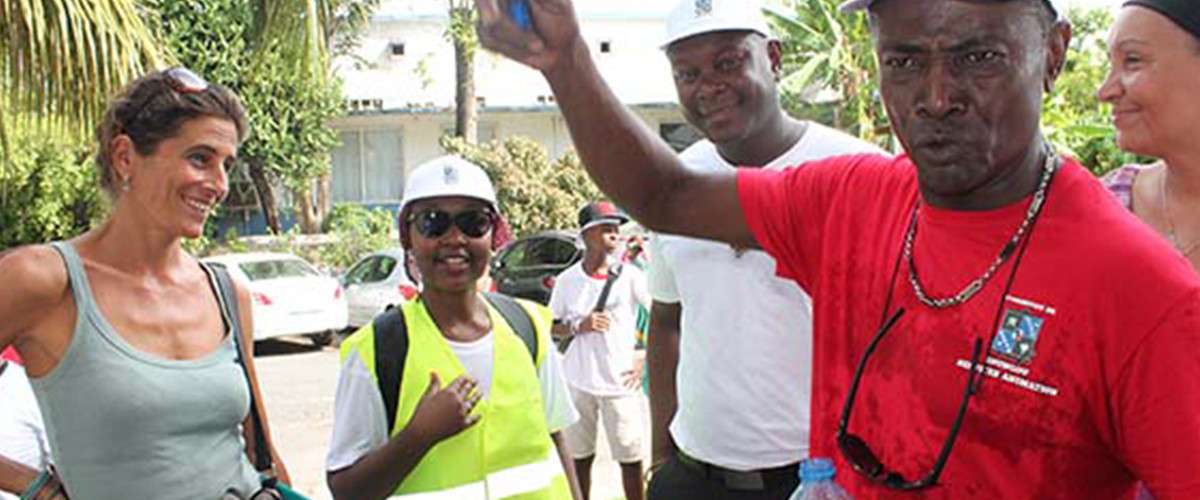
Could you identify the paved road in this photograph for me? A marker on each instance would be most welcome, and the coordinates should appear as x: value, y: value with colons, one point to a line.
x: 299, y: 382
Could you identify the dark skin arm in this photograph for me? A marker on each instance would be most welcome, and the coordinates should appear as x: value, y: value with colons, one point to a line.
x: 441, y: 413
x: 560, y: 446
x: 662, y: 356
x: 625, y: 159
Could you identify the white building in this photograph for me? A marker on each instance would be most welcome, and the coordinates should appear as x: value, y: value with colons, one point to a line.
x: 401, y: 90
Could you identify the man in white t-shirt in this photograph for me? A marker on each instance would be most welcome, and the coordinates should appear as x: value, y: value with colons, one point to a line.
x: 595, y: 305
x: 730, y: 343
x: 22, y: 432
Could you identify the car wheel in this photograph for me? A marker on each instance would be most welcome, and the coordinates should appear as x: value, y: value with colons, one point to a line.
x: 322, y: 339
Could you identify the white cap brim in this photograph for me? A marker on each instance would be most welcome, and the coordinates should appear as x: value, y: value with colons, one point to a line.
x: 702, y: 29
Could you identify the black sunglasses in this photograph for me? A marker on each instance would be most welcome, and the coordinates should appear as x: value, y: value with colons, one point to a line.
x: 859, y: 454
x: 435, y: 223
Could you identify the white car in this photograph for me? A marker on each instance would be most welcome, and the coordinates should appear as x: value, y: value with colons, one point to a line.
x: 290, y: 297
x: 375, y: 282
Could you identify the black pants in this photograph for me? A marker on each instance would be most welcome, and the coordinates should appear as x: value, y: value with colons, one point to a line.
x: 676, y: 481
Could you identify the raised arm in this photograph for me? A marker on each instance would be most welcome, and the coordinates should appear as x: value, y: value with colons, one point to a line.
x: 625, y: 159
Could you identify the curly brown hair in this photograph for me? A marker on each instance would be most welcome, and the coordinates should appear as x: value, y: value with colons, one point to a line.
x: 151, y: 110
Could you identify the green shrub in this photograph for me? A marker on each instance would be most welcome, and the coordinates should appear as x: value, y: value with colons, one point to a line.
x: 358, y: 231
x: 534, y: 193
x: 48, y: 189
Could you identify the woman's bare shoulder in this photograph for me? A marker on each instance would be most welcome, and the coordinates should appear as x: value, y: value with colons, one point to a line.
x: 33, y: 276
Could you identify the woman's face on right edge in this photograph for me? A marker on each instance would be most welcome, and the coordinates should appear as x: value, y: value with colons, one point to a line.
x: 1153, y: 83
x: 452, y: 261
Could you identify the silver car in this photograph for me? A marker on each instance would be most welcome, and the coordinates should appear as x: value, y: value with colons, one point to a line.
x: 375, y: 282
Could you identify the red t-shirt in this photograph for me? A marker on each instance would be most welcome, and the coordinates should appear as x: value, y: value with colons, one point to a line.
x: 1093, y: 366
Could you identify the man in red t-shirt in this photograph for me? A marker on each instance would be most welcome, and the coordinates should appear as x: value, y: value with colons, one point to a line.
x: 988, y: 323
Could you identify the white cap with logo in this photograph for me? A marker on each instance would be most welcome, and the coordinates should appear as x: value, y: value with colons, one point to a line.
x: 448, y: 176
x: 697, y: 17
x: 1058, y: 6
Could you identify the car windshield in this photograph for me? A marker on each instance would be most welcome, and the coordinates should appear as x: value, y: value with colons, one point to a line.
x: 550, y: 252
x: 539, y: 251
x: 276, y: 269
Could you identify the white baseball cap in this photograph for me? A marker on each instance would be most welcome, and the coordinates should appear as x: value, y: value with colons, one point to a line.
x: 1058, y: 6
x: 448, y: 176
x: 697, y: 17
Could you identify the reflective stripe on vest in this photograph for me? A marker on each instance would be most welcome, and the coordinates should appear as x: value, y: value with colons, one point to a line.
x: 528, y: 478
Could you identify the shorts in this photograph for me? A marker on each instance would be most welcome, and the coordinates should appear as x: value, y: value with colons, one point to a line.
x: 623, y: 425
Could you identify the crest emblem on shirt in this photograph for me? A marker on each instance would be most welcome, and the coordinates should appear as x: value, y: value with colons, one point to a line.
x: 1017, y: 338
x: 703, y: 8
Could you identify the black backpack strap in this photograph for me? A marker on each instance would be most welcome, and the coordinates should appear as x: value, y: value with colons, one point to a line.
x: 232, y: 316
x: 391, y: 349
x: 614, y: 272
x: 518, y: 318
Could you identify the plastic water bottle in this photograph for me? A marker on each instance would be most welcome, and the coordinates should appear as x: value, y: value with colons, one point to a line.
x: 816, y: 481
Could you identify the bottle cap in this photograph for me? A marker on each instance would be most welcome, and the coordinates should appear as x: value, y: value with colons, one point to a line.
x: 815, y: 469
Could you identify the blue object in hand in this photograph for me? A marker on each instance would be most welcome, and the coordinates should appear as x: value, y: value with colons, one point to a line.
x: 816, y: 481
x: 519, y: 11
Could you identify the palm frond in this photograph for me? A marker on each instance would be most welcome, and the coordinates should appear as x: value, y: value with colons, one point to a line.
x: 60, y: 60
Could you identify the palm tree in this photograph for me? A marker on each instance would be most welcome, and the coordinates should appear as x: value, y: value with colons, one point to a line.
x: 60, y: 60
x: 461, y: 33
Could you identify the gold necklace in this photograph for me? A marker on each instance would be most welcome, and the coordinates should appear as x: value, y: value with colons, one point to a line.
x: 1185, y: 249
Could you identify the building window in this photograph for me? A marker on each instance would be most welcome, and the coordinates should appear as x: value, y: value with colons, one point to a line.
x: 368, y: 167
x: 679, y: 135
x: 397, y: 48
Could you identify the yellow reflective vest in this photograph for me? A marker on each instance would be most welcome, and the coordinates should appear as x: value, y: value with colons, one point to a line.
x: 508, y: 454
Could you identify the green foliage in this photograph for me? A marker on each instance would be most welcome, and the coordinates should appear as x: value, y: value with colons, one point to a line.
x: 462, y: 27
x: 290, y: 116
x: 534, y: 193
x: 358, y: 232
x: 830, y: 68
x: 1074, y: 119
x: 289, y: 101
x: 48, y: 189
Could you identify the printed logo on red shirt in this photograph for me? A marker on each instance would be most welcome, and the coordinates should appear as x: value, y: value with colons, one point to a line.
x: 1014, y: 347
x: 1017, y: 338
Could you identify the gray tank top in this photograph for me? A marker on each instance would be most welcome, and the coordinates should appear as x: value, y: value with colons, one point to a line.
x: 124, y: 424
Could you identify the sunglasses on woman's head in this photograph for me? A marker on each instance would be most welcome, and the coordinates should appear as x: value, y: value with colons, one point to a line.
x: 435, y: 223
x: 181, y: 80
x: 184, y: 80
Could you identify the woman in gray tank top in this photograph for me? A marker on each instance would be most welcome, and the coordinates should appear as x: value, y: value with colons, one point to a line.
x: 126, y: 340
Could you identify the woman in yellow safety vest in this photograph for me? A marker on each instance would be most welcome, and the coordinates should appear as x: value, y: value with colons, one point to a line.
x: 491, y: 432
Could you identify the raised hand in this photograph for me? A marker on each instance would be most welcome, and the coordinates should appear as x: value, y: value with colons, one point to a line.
x: 444, y: 412
x: 553, y: 39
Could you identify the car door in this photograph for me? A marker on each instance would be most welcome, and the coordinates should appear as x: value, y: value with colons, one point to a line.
x: 379, y: 288
x: 358, y: 290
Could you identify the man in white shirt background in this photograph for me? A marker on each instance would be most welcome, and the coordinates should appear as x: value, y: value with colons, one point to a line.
x: 730, y: 343
x: 595, y: 308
